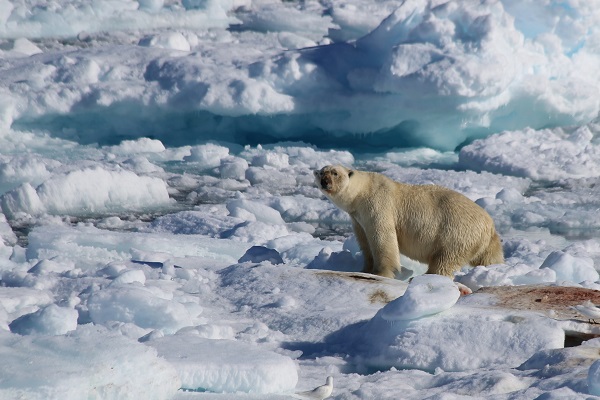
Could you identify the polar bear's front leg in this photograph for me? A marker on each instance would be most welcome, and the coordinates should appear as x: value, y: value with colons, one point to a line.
x: 363, y: 242
x: 383, y: 242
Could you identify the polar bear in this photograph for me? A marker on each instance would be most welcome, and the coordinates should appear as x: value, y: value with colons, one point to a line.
x: 428, y: 223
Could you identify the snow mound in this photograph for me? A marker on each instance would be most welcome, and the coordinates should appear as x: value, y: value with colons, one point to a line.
x: 547, y: 154
x: 258, y: 254
x: 87, y: 191
x: 144, y: 307
x: 226, y: 366
x: 88, y: 363
x: 18, y: 301
x: 426, y: 295
x: 460, y: 339
x: 571, y: 268
x: 50, y: 320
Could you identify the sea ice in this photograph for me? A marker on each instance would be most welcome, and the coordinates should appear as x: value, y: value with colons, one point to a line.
x: 143, y: 153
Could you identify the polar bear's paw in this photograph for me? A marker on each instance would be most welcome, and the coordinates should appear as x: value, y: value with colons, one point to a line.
x: 464, y: 290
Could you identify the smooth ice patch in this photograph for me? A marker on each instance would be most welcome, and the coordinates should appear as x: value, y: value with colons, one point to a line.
x: 226, y: 366
x: 94, y: 248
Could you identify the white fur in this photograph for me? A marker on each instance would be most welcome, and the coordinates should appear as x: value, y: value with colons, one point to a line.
x: 431, y: 224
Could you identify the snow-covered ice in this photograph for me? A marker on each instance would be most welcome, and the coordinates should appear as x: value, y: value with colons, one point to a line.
x: 161, y: 235
x: 426, y: 295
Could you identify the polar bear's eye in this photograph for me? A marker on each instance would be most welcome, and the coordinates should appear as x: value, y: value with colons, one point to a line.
x: 334, y: 173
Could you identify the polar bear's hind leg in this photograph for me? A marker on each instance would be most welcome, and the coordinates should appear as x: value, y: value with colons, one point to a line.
x: 492, y: 254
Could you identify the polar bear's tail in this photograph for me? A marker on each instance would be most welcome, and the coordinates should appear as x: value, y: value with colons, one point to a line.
x: 492, y: 254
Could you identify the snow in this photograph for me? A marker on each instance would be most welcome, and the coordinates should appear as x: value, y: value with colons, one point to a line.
x: 161, y: 235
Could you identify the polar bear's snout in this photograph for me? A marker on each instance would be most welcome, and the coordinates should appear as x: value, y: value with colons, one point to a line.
x: 326, y: 182
x: 323, y: 179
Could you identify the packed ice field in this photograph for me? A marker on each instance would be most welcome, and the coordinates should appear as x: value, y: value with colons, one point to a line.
x: 162, y: 237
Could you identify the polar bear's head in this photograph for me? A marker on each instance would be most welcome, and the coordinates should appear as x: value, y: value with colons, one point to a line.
x: 332, y: 179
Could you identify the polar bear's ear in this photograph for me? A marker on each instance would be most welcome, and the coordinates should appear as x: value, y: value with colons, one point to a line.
x: 350, y: 173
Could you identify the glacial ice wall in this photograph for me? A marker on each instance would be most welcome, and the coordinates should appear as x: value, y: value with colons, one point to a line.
x: 347, y: 74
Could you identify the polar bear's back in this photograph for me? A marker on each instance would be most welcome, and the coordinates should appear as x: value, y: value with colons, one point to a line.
x: 432, y: 219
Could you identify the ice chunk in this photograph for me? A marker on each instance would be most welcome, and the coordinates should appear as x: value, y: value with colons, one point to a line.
x: 500, y: 275
x: 257, y: 254
x: 255, y: 232
x: 207, y: 156
x: 151, y: 5
x: 50, y: 320
x: 23, y: 47
x: 261, y: 212
x: 168, y: 40
x: 18, y: 301
x: 7, y: 236
x: 226, y: 365
x: 233, y: 168
x: 273, y: 159
x: 87, y: 191
x: 593, y: 379
x: 23, y: 199
x: 142, y: 306
x: 46, y: 266
x: 479, y: 338
x: 134, y: 275
x: 571, y: 268
x: 546, y: 154
x: 93, y: 248
x: 141, y: 145
x: 426, y: 295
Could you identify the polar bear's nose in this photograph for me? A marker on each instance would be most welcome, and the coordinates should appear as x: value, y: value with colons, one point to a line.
x: 325, y: 183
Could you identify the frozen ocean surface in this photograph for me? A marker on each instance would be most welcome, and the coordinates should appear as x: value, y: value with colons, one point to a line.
x: 161, y: 236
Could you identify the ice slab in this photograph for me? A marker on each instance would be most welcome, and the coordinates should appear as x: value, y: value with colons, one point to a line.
x: 226, y: 366
x: 88, y: 363
x: 87, y: 191
x: 94, y: 248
